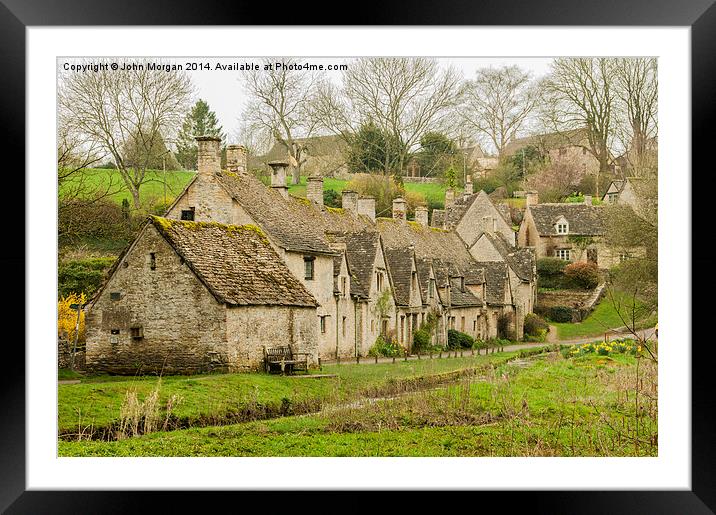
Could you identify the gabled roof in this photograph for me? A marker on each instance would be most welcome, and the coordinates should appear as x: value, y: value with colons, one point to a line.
x: 583, y: 220
x: 460, y: 298
x: 495, y: 277
x: 274, y: 213
x: 400, y: 264
x: 361, y: 250
x: 520, y: 260
x: 454, y: 213
x: 235, y: 262
x: 443, y: 248
x: 315, y: 146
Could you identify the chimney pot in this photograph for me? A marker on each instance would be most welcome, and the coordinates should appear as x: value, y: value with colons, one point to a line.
x: 449, y: 198
x: 421, y: 215
x: 208, y: 155
x: 278, y: 177
x: 314, y: 189
x: 236, y: 158
x: 349, y: 200
x: 588, y: 200
x: 399, y: 209
x: 468, y: 186
x: 532, y: 198
x: 366, y: 206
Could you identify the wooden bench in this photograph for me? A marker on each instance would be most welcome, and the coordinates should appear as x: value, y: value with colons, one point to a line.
x: 283, y: 359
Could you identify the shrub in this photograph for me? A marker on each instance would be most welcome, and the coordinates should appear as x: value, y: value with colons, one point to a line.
x: 67, y: 317
x: 381, y: 187
x: 535, y: 325
x: 582, y: 274
x: 458, y: 340
x: 331, y: 198
x: 82, y: 275
x: 421, y: 339
x: 384, y: 346
x: 550, y: 266
x: 560, y: 314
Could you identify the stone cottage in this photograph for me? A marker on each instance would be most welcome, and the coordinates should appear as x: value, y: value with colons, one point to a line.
x: 190, y: 297
x: 569, y: 231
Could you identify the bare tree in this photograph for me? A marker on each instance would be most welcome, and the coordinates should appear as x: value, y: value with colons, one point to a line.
x: 279, y: 107
x: 637, y: 92
x: 579, y: 94
x: 133, y: 107
x: 498, y: 102
x: 404, y: 97
x: 557, y: 180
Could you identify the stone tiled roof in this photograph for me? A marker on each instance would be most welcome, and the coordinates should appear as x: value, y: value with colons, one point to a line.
x: 520, y: 260
x: 583, y: 220
x: 361, y: 249
x: 400, y: 261
x: 454, y: 213
x: 274, y: 214
x: 315, y: 146
x: 445, y: 249
x: 460, y: 298
x: 235, y: 262
x: 547, y: 141
x: 495, y: 277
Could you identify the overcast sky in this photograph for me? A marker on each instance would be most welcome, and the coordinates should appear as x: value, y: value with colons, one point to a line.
x: 224, y: 90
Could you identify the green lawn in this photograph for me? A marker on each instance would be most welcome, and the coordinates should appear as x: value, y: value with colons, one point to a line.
x: 152, y: 192
x: 542, y: 406
x: 603, y: 318
x: 96, y: 401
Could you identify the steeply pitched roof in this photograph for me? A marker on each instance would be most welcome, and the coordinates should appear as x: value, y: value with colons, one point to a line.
x: 460, y: 298
x: 400, y: 264
x: 520, y: 260
x: 495, y: 277
x: 445, y: 249
x: 275, y: 214
x: 454, y: 213
x: 235, y: 262
x: 583, y: 220
x: 361, y: 249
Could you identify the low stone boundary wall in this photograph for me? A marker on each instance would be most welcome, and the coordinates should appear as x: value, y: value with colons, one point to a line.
x: 582, y: 302
x: 64, y: 355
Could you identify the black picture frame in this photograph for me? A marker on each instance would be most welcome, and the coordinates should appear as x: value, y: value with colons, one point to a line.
x: 700, y: 15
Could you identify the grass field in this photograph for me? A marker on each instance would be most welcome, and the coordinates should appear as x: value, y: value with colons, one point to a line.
x: 542, y: 405
x: 152, y: 192
x: 96, y: 402
x: 603, y: 318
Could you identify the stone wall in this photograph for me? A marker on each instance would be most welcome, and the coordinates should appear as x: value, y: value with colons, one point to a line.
x: 184, y: 327
x: 582, y: 302
x: 251, y: 328
x: 64, y: 355
x: 209, y: 199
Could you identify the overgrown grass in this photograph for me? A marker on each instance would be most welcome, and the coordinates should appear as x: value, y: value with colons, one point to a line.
x: 96, y: 402
x: 602, y: 319
x: 541, y: 406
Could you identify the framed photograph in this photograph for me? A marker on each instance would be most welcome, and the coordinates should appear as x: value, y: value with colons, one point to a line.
x: 360, y: 258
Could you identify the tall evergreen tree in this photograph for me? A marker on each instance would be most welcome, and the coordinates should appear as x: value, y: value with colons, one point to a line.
x: 201, y: 121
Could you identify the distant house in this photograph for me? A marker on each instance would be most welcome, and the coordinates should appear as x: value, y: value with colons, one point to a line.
x: 569, y: 231
x: 324, y: 155
x: 572, y: 145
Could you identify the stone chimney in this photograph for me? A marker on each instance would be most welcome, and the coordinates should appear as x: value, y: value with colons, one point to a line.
x: 366, y: 206
x: 278, y: 177
x: 532, y: 198
x: 209, y: 155
x: 236, y: 158
x: 438, y: 218
x: 588, y: 200
x: 314, y: 189
x: 468, y: 185
x: 449, y: 198
x: 349, y: 200
x: 421, y: 215
x: 399, y: 208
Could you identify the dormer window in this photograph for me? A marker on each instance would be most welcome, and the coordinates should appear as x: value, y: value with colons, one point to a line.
x: 462, y: 284
x: 414, y: 280
x: 308, y: 267
x: 562, y: 226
